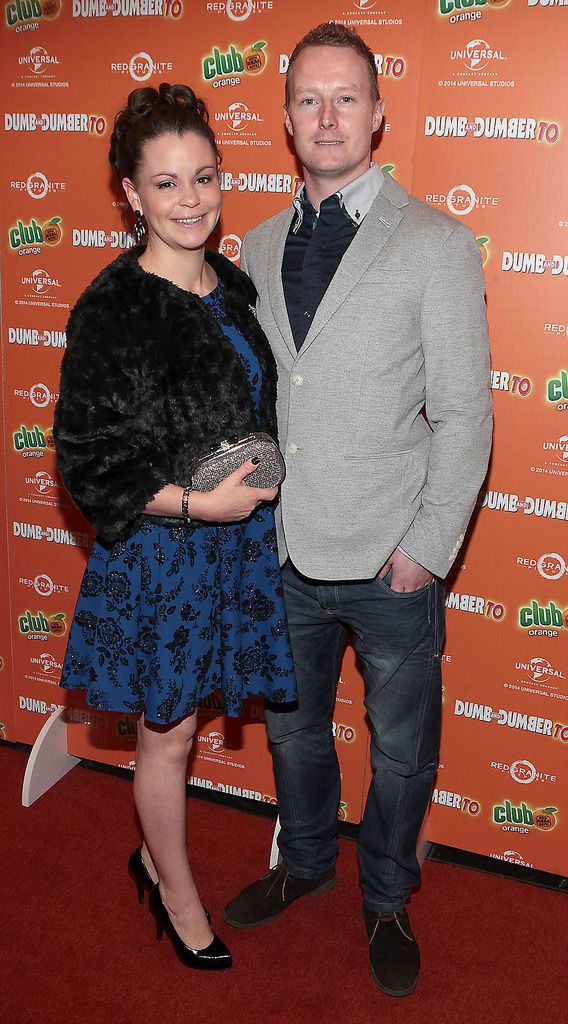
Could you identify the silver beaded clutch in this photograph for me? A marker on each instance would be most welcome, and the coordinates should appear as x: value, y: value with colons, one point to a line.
x: 209, y: 470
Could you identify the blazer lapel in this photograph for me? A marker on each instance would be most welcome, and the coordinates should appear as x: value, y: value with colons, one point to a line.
x: 275, y: 286
x: 381, y: 221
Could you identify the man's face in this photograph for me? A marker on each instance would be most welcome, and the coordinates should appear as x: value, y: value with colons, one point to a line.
x: 331, y: 114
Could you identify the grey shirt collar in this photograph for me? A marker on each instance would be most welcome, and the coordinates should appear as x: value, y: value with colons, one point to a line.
x: 356, y: 198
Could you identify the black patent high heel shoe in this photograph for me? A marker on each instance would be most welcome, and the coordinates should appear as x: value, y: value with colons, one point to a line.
x: 143, y: 879
x: 140, y: 874
x: 215, y: 956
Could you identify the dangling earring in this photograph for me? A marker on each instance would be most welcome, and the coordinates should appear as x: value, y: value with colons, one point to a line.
x: 139, y: 228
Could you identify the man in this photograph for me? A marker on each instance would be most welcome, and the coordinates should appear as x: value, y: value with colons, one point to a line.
x: 373, y: 304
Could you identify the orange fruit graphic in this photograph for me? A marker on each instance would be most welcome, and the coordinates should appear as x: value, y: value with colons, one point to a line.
x: 51, y: 8
x: 3, y: 735
x: 57, y: 624
x: 255, y: 60
x: 482, y: 243
x: 544, y: 818
x: 342, y: 812
x: 49, y: 439
x: 52, y: 232
x: 498, y: 3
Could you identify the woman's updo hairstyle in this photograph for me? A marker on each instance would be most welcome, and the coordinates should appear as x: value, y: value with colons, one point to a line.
x: 150, y: 113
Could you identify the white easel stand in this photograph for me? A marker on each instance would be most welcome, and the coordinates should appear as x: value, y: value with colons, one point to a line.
x: 48, y: 761
x: 422, y: 847
x: 274, y: 851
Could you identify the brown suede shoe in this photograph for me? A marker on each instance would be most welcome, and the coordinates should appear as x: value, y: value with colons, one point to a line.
x: 393, y: 952
x: 268, y: 897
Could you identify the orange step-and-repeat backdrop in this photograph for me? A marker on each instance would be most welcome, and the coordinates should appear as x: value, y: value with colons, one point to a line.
x: 476, y: 125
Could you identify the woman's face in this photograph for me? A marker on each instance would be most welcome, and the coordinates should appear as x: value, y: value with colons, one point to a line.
x: 177, y: 188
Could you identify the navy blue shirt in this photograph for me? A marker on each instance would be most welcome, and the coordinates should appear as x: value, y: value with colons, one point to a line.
x: 312, y: 254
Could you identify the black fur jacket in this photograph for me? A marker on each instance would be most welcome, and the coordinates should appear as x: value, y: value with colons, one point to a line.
x: 148, y: 383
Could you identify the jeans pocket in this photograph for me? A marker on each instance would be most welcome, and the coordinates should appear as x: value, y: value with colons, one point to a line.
x: 405, y: 595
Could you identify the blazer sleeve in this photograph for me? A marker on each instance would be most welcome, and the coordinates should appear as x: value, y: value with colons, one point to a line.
x: 458, y: 402
x: 244, y: 257
x: 104, y: 423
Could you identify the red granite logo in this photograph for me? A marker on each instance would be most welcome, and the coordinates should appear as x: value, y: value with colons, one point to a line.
x: 230, y: 247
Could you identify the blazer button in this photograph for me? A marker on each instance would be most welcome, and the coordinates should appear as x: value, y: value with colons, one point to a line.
x: 297, y: 379
x: 292, y: 448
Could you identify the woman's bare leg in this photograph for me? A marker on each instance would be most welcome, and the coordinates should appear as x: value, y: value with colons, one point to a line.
x: 160, y: 797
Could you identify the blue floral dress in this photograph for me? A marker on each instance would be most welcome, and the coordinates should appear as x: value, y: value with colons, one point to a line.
x: 171, y: 614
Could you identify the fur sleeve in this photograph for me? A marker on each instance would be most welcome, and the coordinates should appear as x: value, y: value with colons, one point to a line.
x: 104, y: 419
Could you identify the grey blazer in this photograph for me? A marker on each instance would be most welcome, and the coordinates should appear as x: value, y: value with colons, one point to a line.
x: 401, y: 330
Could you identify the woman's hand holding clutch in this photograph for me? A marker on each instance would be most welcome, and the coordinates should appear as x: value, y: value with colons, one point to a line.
x: 232, y: 500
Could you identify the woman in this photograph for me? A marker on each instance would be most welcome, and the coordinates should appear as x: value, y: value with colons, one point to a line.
x: 182, y: 593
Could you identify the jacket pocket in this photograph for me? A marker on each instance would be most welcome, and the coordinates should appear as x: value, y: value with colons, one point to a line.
x: 373, y: 455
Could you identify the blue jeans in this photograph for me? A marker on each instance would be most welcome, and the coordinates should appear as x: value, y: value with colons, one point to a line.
x: 398, y: 639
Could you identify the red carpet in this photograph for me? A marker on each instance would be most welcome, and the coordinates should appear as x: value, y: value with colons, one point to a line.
x: 78, y: 949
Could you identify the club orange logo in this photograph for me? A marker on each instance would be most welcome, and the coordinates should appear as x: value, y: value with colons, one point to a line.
x: 545, y: 819
x: 483, y: 243
x: 255, y: 59
x: 51, y: 9
x: 57, y: 624
x: 52, y: 231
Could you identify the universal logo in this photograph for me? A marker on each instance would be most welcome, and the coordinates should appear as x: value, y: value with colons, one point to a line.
x: 238, y: 116
x: 557, y: 465
x: 38, y: 60
x: 512, y: 857
x: 477, y: 55
x: 216, y: 741
x: 42, y: 481
x: 47, y: 663
x: 559, y: 448
x: 40, y: 281
x: 538, y: 670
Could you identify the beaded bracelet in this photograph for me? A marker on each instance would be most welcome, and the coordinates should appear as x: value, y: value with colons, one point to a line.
x: 185, y: 505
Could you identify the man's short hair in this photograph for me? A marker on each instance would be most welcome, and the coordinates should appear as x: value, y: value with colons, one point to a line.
x: 331, y: 34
